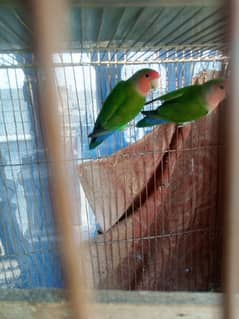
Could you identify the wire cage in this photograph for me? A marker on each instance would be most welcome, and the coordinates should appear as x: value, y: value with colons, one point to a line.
x: 150, y: 198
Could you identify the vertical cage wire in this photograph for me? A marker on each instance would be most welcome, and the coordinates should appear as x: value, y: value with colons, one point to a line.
x: 133, y: 252
x: 108, y: 253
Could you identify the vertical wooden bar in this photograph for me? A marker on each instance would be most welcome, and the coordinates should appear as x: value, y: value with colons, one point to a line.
x: 49, y: 17
x: 231, y: 306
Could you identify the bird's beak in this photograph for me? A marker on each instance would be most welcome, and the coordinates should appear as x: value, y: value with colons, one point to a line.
x: 154, y: 84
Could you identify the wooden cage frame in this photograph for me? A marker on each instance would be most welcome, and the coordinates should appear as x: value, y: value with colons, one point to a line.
x: 120, y: 304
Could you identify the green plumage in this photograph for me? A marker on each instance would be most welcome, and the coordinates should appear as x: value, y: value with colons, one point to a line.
x: 120, y: 107
x: 188, y: 106
x: 183, y: 105
x: 123, y: 104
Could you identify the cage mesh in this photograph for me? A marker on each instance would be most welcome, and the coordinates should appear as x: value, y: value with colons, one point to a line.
x: 150, y: 199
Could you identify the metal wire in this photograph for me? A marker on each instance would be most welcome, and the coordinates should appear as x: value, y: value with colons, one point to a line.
x: 120, y: 257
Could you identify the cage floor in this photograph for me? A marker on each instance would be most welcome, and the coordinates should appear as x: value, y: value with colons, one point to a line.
x: 113, y: 304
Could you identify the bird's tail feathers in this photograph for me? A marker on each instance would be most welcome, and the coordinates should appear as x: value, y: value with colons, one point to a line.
x: 152, y: 114
x: 98, y: 131
x: 148, y: 121
x: 97, y: 140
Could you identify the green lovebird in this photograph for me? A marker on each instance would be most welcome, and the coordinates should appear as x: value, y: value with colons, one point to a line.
x: 123, y: 103
x: 187, y: 104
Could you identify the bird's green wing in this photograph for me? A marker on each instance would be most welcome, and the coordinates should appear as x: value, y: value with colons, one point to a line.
x: 190, y: 90
x: 184, y: 105
x: 183, y: 111
x: 174, y: 95
x: 120, y: 107
x: 112, y: 103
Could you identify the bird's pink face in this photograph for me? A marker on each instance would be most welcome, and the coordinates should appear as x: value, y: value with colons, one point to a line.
x: 217, y: 94
x: 148, y: 81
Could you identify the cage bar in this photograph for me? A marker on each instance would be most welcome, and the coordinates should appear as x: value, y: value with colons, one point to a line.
x: 149, y: 212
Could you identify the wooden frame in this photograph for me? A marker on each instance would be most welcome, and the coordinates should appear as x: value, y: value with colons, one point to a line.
x: 114, y: 304
x: 140, y: 305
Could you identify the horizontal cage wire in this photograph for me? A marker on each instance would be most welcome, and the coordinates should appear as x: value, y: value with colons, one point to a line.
x: 128, y: 237
x: 149, y: 211
x: 150, y: 197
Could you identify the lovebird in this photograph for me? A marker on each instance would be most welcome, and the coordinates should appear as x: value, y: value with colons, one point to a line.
x: 186, y: 104
x: 123, y: 103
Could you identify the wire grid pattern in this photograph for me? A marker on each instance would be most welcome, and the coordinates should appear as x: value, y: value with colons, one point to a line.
x: 177, y: 68
x: 82, y: 73
x: 83, y: 80
x: 28, y: 241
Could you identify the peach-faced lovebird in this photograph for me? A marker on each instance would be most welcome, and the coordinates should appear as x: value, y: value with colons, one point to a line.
x: 187, y: 104
x: 123, y: 103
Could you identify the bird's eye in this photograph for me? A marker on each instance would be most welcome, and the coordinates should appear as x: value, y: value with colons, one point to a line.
x: 146, y: 75
x: 221, y: 87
